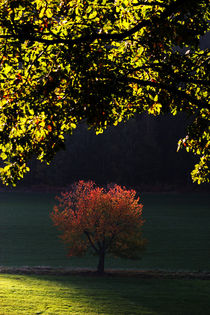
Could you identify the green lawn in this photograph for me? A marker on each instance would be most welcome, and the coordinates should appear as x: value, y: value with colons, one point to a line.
x: 107, y: 295
x: 177, y: 227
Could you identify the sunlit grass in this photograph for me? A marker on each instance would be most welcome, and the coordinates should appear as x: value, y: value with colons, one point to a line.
x: 106, y: 295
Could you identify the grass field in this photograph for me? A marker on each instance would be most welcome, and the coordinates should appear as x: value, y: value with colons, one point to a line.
x: 177, y: 228
x: 107, y: 295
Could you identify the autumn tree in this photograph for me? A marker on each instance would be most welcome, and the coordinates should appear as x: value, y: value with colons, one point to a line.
x: 103, y: 220
x: 102, y: 61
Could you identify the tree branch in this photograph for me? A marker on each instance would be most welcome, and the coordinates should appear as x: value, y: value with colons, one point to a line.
x: 176, y: 77
x: 110, y: 241
x: 169, y: 88
x: 91, y: 242
x: 160, y: 4
x: 174, y: 6
x: 81, y: 39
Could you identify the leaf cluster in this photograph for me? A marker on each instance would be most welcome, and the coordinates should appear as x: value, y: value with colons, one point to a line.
x: 107, y: 220
x: 103, y: 61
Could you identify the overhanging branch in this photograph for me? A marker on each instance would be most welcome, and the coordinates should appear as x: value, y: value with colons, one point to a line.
x: 80, y: 39
x: 174, y: 6
x: 154, y: 3
x: 181, y: 94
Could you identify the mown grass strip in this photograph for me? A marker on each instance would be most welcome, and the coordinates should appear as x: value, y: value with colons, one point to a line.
x: 21, y: 294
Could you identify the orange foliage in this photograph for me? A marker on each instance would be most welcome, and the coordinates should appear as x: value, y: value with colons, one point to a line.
x: 106, y: 220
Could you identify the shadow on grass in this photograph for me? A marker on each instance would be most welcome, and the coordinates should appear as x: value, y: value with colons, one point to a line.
x: 104, y: 295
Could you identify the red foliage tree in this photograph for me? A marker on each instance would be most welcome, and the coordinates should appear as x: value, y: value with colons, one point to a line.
x: 106, y: 220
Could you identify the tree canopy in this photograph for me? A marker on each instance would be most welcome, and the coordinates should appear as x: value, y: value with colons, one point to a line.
x: 104, y: 220
x: 102, y: 61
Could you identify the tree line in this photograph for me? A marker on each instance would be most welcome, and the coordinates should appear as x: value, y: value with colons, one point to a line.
x: 141, y: 153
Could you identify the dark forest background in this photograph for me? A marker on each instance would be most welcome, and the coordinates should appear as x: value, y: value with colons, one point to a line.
x: 140, y: 153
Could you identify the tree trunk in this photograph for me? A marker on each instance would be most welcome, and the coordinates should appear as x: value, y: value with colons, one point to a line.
x: 100, y: 268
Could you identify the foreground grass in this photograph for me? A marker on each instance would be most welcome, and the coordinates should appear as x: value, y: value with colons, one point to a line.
x: 102, y: 295
x: 177, y: 229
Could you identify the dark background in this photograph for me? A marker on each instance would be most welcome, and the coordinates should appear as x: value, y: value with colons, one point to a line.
x: 140, y: 153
